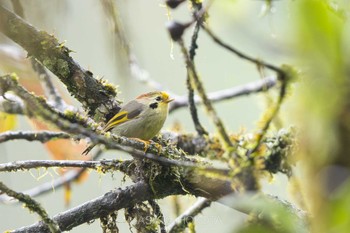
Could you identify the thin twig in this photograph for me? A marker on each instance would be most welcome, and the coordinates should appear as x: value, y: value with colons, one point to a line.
x: 158, y: 213
x: 42, y: 136
x: 192, y: 52
x: 180, y: 223
x: 103, y: 165
x: 51, y: 91
x: 245, y: 89
x: 272, y: 114
x: 256, y: 61
x: 281, y: 75
x: 207, y: 103
x: 32, y: 206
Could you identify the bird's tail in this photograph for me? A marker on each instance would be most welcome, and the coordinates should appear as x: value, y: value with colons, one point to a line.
x: 88, y: 149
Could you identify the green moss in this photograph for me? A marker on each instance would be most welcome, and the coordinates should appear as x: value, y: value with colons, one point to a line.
x: 62, y: 67
x: 57, y: 66
x: 108, y: 86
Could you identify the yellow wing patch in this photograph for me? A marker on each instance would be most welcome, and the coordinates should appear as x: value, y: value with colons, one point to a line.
x: 119, y: 118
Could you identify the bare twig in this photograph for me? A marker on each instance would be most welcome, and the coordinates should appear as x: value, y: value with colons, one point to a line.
x: 180, y: 223
x: 42, y: 136
x: 246, y: 89
x: 32, y: 206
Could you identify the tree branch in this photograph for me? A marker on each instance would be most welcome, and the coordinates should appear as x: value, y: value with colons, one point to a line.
x: 246, y: 89
x: 101, y: 206
x: 51, y: 92
x: 240, y: 54
x: 42, y: 136
x: 95, y: 95
x: 103, y: 165
x: 190, y: 96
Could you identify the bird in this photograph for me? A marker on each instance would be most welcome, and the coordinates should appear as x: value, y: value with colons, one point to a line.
x: 141, y: 118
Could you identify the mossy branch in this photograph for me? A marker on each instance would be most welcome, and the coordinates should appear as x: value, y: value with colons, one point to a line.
x: 34, y: 206
x: 95, y: 95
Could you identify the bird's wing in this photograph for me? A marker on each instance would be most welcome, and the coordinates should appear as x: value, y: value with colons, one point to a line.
x: 130, y: 111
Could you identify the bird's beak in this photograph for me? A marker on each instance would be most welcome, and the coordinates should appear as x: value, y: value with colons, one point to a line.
x: 168, y: 100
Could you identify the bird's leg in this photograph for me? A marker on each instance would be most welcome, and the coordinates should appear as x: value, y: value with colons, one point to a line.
x: 147, y: 143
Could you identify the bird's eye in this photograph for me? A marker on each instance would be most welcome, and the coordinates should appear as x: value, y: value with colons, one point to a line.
x: 159, y: 98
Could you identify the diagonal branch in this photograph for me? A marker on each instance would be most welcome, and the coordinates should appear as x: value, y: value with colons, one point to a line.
x: 51, y: 92
x: 101, y: 206
x: 180, y: 223
x: 95, y: 95
x: 32, y: 206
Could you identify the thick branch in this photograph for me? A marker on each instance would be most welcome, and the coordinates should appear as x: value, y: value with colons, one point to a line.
x: 95, y: 95
x: 101, y: 206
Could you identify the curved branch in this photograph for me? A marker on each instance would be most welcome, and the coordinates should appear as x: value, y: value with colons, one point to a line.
x: 95, y: 95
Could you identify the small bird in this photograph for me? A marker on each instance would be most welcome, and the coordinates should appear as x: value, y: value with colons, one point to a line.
x: 141, y: 118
